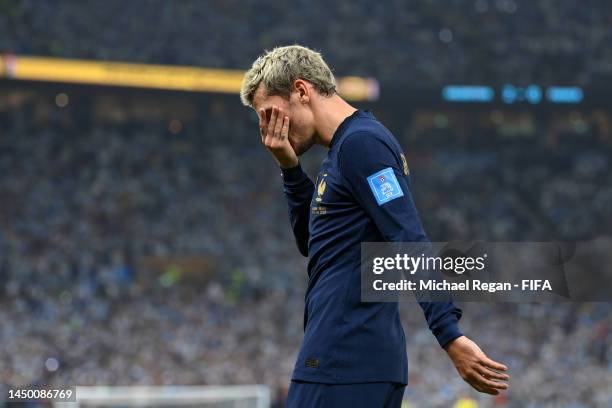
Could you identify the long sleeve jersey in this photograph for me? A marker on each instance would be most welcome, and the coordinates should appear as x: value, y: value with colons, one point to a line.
x: 361, y: 195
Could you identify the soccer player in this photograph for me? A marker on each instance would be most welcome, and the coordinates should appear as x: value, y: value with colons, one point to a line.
x: 353, y: 353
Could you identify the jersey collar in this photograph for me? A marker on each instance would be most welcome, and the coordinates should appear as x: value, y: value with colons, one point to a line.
x: 345, y: 123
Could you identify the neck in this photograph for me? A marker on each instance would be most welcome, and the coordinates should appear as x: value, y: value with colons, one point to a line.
x: 329, y: 113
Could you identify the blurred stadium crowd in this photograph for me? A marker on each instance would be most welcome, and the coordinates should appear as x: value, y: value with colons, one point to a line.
x: 481, y: 41
x: 97, y: 214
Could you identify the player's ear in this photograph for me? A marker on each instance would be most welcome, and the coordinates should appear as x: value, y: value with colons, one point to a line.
x: 301, y: 87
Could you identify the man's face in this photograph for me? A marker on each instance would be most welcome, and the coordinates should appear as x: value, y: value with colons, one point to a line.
x: 301, y: 122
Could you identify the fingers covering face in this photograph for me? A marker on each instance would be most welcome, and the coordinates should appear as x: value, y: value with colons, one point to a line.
x: 277, y: 126
x: 272, y: 122
x: 285, y: 130
x: 262, y: 124
x: 280, y: 118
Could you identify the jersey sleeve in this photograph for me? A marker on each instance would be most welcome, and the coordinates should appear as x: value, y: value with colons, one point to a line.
x: 298, y: 190
x: 373, y: 171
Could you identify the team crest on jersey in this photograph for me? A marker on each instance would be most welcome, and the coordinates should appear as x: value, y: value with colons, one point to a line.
x: 405, y: 164
x: 384, y: 186
x: 321, y: 188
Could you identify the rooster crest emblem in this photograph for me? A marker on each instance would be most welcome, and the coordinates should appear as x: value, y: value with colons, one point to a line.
x: 321, y: 190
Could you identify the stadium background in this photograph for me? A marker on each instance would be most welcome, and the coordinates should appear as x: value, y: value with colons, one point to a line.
x: 143, y: 232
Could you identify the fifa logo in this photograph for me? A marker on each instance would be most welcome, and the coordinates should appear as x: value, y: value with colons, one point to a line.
x: 385, y: 187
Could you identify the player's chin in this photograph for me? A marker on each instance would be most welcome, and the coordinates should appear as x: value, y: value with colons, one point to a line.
x: 301, y: 148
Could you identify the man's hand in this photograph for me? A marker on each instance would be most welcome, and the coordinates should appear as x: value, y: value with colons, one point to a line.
x: 475, y: 367
x: 275, y: 136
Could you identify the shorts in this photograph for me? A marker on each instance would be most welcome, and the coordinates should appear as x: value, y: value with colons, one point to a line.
x: 365, y: 395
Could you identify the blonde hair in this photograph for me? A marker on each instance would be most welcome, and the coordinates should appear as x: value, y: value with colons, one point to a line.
x: 279, y: 68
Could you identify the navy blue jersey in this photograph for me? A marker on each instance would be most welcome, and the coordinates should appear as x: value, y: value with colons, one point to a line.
x: 361, y: 195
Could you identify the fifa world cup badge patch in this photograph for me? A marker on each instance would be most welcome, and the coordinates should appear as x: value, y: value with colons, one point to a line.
x: 384, y: 186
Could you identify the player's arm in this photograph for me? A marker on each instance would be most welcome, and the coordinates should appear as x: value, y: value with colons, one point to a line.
x: 362, y: 156
x: 298, y: 188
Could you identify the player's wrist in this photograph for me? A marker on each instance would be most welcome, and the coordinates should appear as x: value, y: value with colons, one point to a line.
x: 287, y: 163
x: 448, y: 331
x: 293, y: 173
x: 449, y: 345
